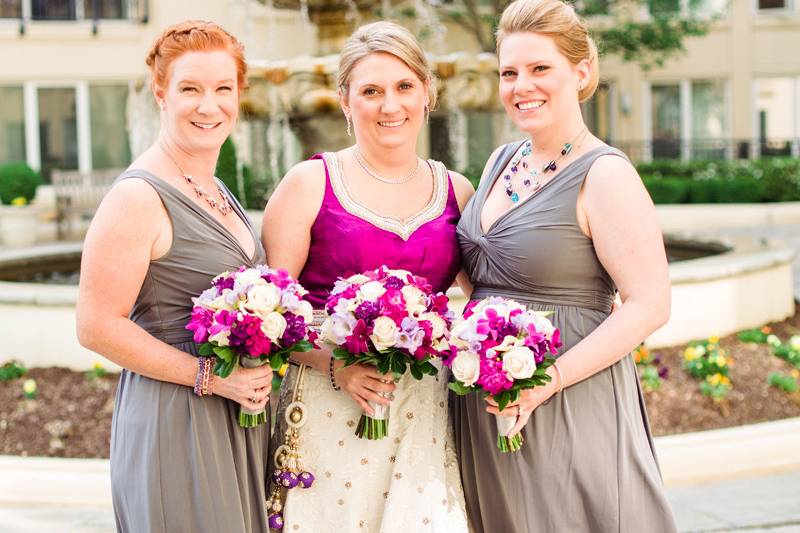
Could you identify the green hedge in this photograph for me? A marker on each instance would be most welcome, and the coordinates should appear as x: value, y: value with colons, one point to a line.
x: 18, y: 179
x: 256, y: 186
x: 739, y: 181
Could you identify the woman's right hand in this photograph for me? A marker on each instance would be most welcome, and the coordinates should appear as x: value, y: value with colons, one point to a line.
x: 363, y: 383
x: 249, y: 387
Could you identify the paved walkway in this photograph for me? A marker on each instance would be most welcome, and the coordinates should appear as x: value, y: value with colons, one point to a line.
x: 755, y: 505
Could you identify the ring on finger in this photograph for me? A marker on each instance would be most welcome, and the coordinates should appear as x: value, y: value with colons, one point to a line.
x: 519, y: 411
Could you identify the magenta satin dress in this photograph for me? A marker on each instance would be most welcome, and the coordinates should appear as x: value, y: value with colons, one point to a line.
x: 409, y: 480
x: 346, y: 238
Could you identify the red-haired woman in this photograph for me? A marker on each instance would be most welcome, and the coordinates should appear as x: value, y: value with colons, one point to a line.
x: 179, y: 460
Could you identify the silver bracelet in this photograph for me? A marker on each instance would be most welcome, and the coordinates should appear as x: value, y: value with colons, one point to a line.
x: 560, y: 377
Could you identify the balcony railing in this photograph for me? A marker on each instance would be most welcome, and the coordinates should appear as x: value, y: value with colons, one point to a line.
x: 46, y: 10
x: 709, y: 148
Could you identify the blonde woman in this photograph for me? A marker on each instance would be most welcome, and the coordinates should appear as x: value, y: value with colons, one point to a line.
x: 371, y: 204
x: 559, y: 222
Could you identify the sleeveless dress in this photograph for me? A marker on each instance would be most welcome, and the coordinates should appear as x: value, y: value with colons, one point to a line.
x: 409, y: 480
x: 588, y: 463
x: 179, y: 462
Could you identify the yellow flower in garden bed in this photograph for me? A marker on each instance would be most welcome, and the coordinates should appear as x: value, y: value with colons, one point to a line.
x: 707, y: 361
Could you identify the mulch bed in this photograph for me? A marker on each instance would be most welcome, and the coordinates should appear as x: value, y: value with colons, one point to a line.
x: 71, y: 416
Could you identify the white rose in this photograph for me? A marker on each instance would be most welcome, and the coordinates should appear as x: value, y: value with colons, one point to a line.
x: 218, y: 303
x: 358, y: 278
x: 261, y: 300
x: 518, y: 363
x: 221, y: 338
x: 371, y: 291
x: 438, y: 326
x: 384, y: 332
x: 337, y: 328
x: 508, y: 343
x: 415, y: 300
x: 273, y: 325
x: 306, y: 311
x: 466, y: 368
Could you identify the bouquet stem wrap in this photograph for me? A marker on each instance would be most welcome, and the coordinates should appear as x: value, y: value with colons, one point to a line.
x: 247, y: 417
x: 504, y: 443
x: 374, y: 427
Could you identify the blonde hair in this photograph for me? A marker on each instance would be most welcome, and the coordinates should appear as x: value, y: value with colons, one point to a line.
x: 388, y: 38
x: 193, y: 36
x: 559, y: 21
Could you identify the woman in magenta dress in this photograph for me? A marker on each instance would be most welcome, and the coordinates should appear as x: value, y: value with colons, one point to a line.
x: 375, y: 203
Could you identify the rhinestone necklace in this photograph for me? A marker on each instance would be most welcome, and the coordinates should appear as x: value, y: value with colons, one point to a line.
x: 533, y: 179
x: 222, y: 205
x: 368, y: 170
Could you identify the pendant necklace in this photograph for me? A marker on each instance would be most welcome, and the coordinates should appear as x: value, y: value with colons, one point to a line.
x: 222, y: 205
x: 533, y: 178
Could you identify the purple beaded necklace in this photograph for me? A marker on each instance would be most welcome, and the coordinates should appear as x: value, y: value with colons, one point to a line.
x: 533, y: 179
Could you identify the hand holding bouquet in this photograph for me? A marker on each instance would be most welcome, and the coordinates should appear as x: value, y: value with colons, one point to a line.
x: 390, y: 319
x: 500, y: 348
x: 250, y: 317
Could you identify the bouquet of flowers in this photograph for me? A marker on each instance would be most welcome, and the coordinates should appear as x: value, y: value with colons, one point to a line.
x: 250, y: 317
x: 390, y: 319
x: 500, y: 348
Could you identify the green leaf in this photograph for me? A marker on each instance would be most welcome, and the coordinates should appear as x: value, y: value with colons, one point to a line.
x: 384, y: 365
x: 416, y: 372
x: 502, y: 399
x: 206, y: 349
x: 398, y: 364
x: 341, y: 353
x: 223, y: 368
x: 459, y: 388
x: 302, y: 346
x: 225, y: 353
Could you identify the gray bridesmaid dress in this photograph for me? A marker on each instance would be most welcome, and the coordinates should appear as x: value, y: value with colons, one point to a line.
x: 588, y: 463
x: 179, y: 462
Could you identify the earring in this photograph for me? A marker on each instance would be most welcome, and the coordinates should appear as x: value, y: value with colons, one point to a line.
x: 161, y: 105
x: 427, y: 114
x: 349, y: 134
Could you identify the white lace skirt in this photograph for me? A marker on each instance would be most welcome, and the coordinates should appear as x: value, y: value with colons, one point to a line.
x: 406, y: 482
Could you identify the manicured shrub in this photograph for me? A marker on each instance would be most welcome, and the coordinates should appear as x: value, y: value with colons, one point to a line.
x: 18, y: 180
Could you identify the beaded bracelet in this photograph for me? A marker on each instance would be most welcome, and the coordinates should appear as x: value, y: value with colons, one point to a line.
x: 205, y: 376
x: 331, y: 376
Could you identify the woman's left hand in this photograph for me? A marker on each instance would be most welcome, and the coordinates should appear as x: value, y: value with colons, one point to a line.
x: 529, y: 400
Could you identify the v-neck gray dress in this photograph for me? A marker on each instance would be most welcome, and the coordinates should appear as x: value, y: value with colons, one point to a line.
x: 588, y: 464
x: 179, y: 462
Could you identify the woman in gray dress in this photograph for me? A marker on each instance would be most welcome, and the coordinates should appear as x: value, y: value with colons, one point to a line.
x: 179, y: 460
x: 560, y: 222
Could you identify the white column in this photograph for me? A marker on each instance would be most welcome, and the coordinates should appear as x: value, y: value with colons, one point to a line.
x: 84, y: 126
x: 30, y: 101
x: 27, y: 11
x: 755, y: 146
x: 730, y: 142
x: 686, y: 119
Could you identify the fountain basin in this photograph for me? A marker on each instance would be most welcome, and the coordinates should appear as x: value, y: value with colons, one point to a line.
x: 739, y: 283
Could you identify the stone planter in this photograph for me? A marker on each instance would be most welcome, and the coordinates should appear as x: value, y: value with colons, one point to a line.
x: 18, y: 225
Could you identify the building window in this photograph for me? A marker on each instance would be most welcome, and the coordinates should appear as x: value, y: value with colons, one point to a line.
x: 776, y: 109
x: 666, y: 121
x: 709, y: 120
x: 53, y: 9
x: 110, y: 146
x: 689, y: 120
x: 12, y: 124
x: 58, y: 129
x: 105, y: 9
x: 774, y: 4
x: 10, y: 9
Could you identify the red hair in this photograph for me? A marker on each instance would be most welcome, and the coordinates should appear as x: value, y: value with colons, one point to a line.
x: 193, y: 36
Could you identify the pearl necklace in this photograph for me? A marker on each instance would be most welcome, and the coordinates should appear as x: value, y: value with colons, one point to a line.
x: 534, y: 176
x: 223, y: 205
x: 368, y: 170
